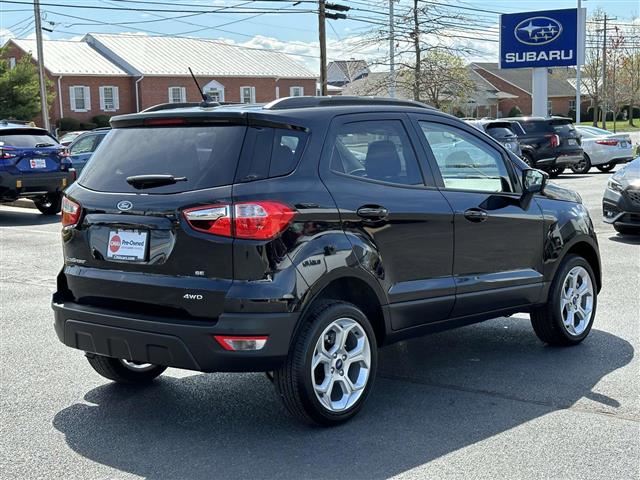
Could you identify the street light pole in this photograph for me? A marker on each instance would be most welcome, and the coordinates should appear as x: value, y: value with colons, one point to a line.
x: 43, y: 85
x: 581, y: 36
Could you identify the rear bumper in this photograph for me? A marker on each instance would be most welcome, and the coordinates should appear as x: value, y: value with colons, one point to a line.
x: 29, y: 185
x: 177, y: 343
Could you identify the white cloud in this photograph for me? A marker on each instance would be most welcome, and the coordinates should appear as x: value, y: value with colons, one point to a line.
x: 5, y: 35
x: 32, y: 36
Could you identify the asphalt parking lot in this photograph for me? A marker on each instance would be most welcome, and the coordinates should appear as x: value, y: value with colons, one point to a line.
x: 485, y: 401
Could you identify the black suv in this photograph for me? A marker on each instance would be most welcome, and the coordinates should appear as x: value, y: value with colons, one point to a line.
x: 550, y: 144
x: 297, y: 237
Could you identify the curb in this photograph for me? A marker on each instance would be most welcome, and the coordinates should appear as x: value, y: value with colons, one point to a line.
x: 22, y: 203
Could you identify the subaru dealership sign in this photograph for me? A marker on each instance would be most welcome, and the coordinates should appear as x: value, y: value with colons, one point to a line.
x: 550, y: 38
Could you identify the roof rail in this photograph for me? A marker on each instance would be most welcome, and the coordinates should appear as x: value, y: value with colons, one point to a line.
x: 171, y: 106
x: 339, y: 101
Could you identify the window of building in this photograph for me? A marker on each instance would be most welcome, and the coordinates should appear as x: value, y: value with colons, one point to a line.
x: 80, y: 98
x: 296, y: 91
x: 177, y: 94
x: 247, y: 94
x: 376, y: 150
x: 109, y: 99
x: 572, y: 104
x: 12, y: 63
x: 215, y: 91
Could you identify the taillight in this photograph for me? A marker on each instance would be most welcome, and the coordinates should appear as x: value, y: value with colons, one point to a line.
x: 6, y: 153
x: 260, y: 220
x: 70, y: 212
x: 554, y: 140
x: 610, y: 143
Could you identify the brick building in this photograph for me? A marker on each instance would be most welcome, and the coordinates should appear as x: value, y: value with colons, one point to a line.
x: 517, y: 83
x: 115, y: 74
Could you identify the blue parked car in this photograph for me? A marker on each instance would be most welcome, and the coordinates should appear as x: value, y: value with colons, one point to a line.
x: 33, y: 165
x: 81, y: 149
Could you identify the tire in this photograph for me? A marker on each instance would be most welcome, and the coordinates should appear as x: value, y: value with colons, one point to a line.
x: 50, y: 204
x: 607, y: 167
x: 626, y: 230
x: 117, y: 369
x: 555, y: 172
x: 528, y: 159
x: 548, y: 320
x: 582, y: 167
x: 296, y: 382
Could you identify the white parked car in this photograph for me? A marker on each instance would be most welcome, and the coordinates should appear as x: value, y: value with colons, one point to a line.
x: 603, y: 149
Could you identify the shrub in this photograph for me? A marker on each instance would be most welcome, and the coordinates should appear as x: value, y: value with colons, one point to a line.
x: 515, y: 111
x: 101, y: 120
x: 88, y: 126
x: 572, y: 114
x: 67, y: 124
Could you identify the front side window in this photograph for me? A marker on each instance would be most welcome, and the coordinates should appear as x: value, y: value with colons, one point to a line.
x: 109, y: 101
x: 79, y: 98
x: 296, y: 91
x: 247, y: 94
x: 466, y: 162
x: 177, y: 94
x: 376, y: 150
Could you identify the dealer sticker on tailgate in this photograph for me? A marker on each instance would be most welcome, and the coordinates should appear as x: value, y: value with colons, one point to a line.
x: 127, y: 245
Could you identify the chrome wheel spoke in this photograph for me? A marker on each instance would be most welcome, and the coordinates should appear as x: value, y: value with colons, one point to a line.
x: 576, y: 302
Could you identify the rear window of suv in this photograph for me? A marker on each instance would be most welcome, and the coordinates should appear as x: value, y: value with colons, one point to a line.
x: 26, y: 138
x: 562, y: 126
x: 206, y: 155
x: 535, y: 126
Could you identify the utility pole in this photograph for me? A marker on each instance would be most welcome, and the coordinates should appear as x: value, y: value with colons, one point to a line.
x: 392, y: 53
x: 581, y: 46
x: 43, y: 85
x: 323, y: 47
x: 604, y: 74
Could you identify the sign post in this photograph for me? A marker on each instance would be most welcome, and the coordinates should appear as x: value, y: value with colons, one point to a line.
x: 539, y: 40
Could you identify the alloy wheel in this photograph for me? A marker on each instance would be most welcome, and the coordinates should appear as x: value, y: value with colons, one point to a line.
x: 576, y: 301
x: 341, y: 364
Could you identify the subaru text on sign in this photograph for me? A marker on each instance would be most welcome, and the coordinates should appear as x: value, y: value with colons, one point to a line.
x: 541, y: 39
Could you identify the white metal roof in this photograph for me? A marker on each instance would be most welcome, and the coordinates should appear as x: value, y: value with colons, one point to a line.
x: 66, y: 57
x: 152, y: 55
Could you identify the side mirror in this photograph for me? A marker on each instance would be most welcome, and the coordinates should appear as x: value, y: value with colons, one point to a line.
x: 533, y: 181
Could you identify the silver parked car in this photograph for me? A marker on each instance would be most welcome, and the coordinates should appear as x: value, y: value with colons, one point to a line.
x: 602, y: 149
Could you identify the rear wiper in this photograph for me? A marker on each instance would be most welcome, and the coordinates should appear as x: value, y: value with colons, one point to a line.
x: 42, y: 145
x: 150, y: 181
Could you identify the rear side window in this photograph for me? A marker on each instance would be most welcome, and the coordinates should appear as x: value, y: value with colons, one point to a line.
x: 376, y: 150
x: 26, y: 139
x: 270, y: 152
x: 206, y: 156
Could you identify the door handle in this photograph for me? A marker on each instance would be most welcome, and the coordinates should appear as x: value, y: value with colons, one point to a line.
x: 476, y: 215
x: 372, y: 212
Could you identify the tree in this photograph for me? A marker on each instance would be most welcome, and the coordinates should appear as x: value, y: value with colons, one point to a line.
x: 444, y: 79
x: 592, y: 68
x: 20, y: 99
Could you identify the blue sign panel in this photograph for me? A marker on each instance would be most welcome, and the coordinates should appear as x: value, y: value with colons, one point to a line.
x: 539, y: 39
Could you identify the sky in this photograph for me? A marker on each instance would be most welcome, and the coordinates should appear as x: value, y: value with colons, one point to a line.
x: 286, y: 27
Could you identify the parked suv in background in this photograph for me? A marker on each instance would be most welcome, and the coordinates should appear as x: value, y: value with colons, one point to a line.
x: 298, y: 237
x: 550, y: 144
x: 32, y: 165
x: 503, y: 131
x: 82, y: 148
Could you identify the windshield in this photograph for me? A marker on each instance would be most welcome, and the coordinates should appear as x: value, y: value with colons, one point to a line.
x: 206, y: 156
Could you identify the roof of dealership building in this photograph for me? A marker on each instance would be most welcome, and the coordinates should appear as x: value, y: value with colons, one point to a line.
x: 134, y: 55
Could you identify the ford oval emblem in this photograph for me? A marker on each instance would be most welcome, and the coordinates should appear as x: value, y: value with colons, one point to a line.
x: 537, y: 30
x: 124, y: 205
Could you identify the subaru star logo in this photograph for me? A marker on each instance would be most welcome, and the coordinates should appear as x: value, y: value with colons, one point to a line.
x: 538, y: 30
x: 124, y: 205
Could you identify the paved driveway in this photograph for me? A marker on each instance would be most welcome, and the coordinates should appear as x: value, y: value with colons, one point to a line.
x: 484, y: 401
